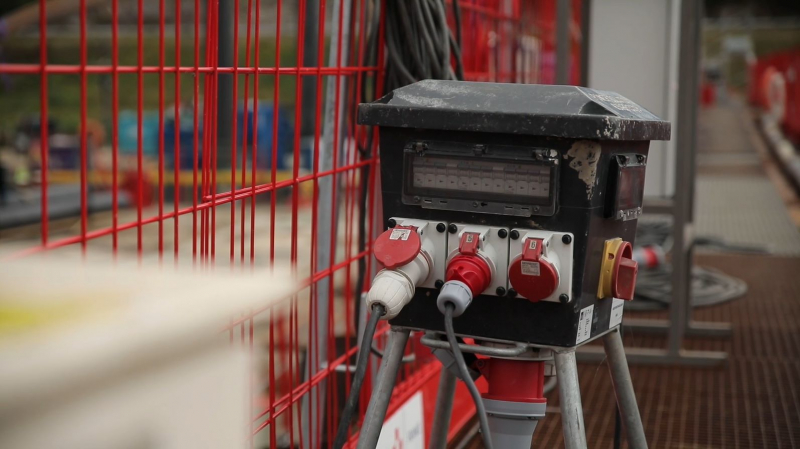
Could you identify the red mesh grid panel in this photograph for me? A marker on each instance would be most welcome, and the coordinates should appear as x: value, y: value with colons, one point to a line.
x: 118, y: 113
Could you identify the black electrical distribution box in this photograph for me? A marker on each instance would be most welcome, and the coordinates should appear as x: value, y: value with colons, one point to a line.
x: 583, y: 154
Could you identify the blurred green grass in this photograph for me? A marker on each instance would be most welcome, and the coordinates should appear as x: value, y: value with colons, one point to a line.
x: 19, y: 94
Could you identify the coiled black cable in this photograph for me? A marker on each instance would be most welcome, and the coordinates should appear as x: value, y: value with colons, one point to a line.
x: 378, y: 310
x: 709, y: 287
x: 465, y: 376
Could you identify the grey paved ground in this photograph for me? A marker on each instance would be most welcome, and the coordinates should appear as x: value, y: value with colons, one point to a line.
x: 735, y: 199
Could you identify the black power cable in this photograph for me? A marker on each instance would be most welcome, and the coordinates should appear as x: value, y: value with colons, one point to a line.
x: 457, y: 20
x: 358, y: 378
x: 457, y: 46
x: 465, y: 376
x: 428, y: 56
x: 420, y: 44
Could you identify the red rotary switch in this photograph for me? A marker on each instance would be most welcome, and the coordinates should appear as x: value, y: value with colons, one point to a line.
x: 397, y: 247
x: 468, y: 267
x: 623, y: 283
x: 618, y: 270
x: 531, y: 275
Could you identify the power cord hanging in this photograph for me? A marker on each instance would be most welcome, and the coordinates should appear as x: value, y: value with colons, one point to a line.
x: 358, y: 378
x: 457, y: 45
x: 429, y: 57
x: 465, y: 376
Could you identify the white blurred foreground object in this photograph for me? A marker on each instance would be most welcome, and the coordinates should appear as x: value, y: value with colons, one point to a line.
x: 125, y: 357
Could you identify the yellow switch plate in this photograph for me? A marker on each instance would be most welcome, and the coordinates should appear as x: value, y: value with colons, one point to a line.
x: 610, y: 249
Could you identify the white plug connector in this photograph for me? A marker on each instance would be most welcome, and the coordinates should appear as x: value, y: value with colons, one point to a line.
x: 394, y: 286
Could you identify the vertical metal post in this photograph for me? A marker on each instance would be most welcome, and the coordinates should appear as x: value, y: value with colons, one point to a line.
x: 444, y: 409
x: 692, y: 165
x: 586, y: 23
x: 310, y: 56
x: 327, y: 215
x: 382, y: 392
x: 684, y: 175
x: 563, y: 19
x: 623, y: 390
x: 569, y: 392
x: 225, y: 100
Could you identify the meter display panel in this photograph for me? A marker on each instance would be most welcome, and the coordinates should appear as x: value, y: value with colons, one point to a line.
x: 479, y: 184
x: 626, y: 186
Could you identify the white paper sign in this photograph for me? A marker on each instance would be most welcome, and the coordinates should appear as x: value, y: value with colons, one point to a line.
x: 585, y: 324
x: 617, y: 306
x: 404, y: 429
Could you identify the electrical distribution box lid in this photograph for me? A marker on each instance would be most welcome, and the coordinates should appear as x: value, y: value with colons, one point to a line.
x: 570, y: 112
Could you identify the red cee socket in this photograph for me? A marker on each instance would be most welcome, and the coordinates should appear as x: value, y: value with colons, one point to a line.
x: 398, y: 246
x: 514, y: 380
x: 623, y: 283
x: 471, y: 270
x: 468, y: 267
x: 533, y: 277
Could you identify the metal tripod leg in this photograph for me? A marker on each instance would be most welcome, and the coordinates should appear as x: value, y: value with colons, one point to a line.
x: 444, y: 408
x: 569, y: 393
x: 623, y: 389
x: 379, y: 402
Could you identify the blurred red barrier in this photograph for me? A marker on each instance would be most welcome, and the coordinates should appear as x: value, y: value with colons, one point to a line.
x: 775, y: 87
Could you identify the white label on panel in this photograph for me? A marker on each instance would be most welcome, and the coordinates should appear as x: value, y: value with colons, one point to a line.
x: 617, y: 306
x: 530, y: 268
x: 400, y: 234
x: 585, y: 325
x: 404, y: 429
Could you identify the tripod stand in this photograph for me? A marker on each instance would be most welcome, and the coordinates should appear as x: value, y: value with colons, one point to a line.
x: 513, y: 414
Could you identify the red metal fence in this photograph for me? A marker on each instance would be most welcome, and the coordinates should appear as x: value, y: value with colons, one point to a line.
x: 272, y: 192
